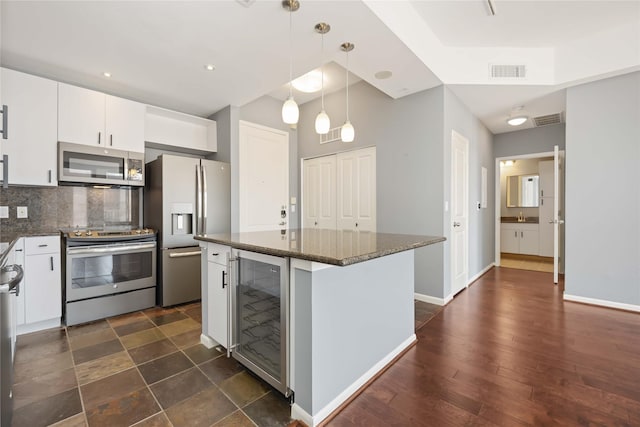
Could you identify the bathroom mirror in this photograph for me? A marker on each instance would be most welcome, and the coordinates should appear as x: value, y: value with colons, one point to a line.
x: 522, y: 191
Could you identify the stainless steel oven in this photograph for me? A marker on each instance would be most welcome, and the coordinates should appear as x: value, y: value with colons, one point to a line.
x: 108, y: 275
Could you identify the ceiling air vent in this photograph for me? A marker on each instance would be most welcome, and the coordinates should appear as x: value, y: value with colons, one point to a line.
x: 246, y: 3
x: 549, y: 119
x: 502, y: 71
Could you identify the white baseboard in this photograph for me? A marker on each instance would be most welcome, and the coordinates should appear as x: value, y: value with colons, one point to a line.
x: 38, y: 326
x: 602, y: 303
x: 484, y: 270
x: 297, y: 413
x: 429, y: 299
x: 207, y: 342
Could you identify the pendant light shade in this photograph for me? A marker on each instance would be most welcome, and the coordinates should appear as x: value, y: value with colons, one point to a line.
x: 323, y: 123
x: 347, y: 133
x: 290, y: 112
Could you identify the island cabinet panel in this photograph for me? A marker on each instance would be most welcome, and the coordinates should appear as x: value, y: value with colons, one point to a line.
x: 215, y: 288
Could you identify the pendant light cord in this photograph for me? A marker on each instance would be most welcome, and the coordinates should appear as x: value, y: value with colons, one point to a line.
x: 347, y: 85
x: 290, y: 51
x: 322, y: 70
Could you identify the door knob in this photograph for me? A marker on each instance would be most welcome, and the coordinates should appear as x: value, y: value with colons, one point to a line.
x: 456, y: 224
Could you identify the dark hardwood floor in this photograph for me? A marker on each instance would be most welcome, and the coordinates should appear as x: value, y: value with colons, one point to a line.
x: 509, y: 351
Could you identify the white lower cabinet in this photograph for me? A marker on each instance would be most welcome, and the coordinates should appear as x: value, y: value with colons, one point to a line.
x: 42, y: 288
x: 519, y: 238
x: 217, y: 316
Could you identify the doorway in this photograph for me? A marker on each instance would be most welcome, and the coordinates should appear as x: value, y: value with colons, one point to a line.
x: 529, y: 208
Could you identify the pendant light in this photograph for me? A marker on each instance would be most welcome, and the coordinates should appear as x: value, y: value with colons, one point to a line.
x: 323, y: 123
x: 347, y: 133
x: 290, y: 110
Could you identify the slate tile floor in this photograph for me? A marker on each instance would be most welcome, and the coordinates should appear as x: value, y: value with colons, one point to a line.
x: 145, y: 368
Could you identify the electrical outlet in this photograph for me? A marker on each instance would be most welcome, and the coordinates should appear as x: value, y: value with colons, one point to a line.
x: 4, y: 211
x: 22, y: 212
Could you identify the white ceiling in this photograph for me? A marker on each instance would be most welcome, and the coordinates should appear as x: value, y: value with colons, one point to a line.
x: 156, y: 50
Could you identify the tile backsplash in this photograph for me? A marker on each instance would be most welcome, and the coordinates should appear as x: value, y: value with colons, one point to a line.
x: 50, y: 209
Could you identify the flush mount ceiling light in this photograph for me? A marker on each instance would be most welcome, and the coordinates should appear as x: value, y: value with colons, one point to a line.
x: 347, y: 133
x: 310, y: 82
x: 290, y: 110
x: 210, y: 67
x: 323, y: 123
x: 382, y: 75
x: 517, y: 117
x: 106, y: 74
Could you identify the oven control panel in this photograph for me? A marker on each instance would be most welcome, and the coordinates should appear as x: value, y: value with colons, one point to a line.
x: 110, y: 235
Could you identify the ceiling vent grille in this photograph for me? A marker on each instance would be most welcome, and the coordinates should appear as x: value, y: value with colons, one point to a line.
x: 331, y: 136
x: 246, y: 3
x: 549, y: 119
x: 502, y: 71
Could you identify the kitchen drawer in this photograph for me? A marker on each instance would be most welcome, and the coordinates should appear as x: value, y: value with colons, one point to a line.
x: 217, y: 253
x: 42, y: 245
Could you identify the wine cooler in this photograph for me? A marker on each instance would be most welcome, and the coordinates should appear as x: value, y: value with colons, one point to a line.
x: 260, y: 307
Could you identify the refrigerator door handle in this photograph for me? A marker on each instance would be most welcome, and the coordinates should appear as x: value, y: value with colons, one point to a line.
x: 198, y: 199
x: 205, y: 205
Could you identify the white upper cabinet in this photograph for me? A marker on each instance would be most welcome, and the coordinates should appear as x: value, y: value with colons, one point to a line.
x: 32, y: 128
x: 170, y: 129
x: 93, y: 118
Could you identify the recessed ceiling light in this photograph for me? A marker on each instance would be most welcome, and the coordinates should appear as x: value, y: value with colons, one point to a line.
x: 310, y: 82
x: 381, y: 75
x: 209, y: 67
x: 106, y: 74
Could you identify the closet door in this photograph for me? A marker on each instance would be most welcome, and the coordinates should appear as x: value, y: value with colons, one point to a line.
x: 356, y: 190
x: 319, y: 200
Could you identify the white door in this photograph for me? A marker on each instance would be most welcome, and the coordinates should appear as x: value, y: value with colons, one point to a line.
x: 356, y: 190
x: 319, y: 192
x: 558, y: 249
x: 459, y: 211
x: 264, y: 178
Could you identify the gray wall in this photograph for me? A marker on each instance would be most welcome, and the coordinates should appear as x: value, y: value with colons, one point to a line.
x: 529, y: 141
x: 602, y: 193
x: 481, y: 222
x: 407, y: 133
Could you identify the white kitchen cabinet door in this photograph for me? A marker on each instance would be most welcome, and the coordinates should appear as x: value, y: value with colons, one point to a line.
x: 356, y: 190
x: 124, y: 124
x: 81, y: 114
x: 43, y: 292
x: 218, y: 313
x: 32, y: 128
x: 319, y: 195
x: 509, y: 239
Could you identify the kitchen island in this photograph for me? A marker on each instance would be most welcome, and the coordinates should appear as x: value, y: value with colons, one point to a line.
x: 346, y: 302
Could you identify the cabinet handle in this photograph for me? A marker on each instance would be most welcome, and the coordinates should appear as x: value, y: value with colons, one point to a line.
x: 99, y: 137
x: 49, y: 176
x: 44, y: 245
x: 111, y: 140
x: 522, y: 234
x: 542, y: 193
x: 356, y: 224
x: 18, y: 250
x: 516, y: 234
x: 224, y: 275
x: 51, y: 258
x: 5, y: 170
x: 5, y: 121
x: 541, y: 202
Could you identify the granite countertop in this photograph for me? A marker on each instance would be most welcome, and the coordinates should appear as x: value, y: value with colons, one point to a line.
x: 336, y: 247
x: 7, y: 240
x: 514, y: 219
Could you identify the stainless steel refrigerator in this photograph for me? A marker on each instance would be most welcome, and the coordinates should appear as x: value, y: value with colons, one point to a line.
x: 184, y: 196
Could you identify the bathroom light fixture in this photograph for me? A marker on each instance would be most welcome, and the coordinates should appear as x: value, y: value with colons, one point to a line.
x: 290, y: 110
x: 347, y: 133
x: 507, y: 162
x: 517, y: 117
x: 323, y: 123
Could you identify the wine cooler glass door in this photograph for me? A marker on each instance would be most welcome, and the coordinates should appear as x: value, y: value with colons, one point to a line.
x: 260, y: 321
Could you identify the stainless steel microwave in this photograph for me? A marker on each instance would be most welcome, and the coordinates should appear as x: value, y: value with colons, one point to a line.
x: 85, y: 164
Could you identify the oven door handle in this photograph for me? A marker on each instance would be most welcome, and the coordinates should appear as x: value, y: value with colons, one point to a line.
x: 109, y: 249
